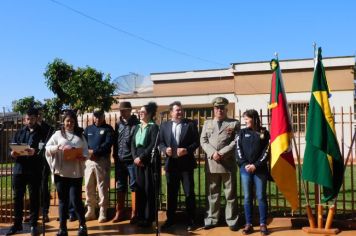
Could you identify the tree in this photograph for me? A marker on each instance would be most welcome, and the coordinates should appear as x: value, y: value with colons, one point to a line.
x: 81, y: 89
x: 23, y: 104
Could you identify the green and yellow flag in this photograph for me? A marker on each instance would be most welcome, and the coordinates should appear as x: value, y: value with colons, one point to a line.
x: 323, y: 163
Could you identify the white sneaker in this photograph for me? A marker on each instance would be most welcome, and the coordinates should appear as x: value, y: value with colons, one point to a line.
x: 102, y: 215
x: 90, y: 215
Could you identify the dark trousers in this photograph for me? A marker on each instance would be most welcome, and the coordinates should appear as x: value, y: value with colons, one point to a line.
x: 145, y: 197
x: 20, y: 181
x: 173, y: 183
x: 69, y: 189
x: 45, y: 188
x: 123, y: 171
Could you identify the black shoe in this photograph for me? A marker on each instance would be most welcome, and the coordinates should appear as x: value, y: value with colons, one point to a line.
x: 134, y: 220
x: 234, y: 228
x: 264, y: 230
x: 13, y: 229
x: 34, y: 231
x: 190, y: 225
x: 145, y: 224
x: 72, y: 217
x: 46, y: 218
x: 247, y: 230
x: 206, y: 227
x: 167, y: 224
x: 82, y: 231
x: 62, y: 232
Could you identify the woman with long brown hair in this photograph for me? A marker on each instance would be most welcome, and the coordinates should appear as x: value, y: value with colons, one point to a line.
x: 252, y: 155
x: 68, y: 169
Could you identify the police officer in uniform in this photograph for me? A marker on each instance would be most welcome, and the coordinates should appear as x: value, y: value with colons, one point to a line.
x: 97, y: 168
x: 27, y: 172
x: 217, y: 140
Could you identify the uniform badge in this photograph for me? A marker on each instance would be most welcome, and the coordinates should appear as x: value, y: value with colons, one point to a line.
x: 102, y: 132
x: 229, y: 131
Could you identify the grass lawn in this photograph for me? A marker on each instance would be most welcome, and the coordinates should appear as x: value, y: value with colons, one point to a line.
x: 276, y: 201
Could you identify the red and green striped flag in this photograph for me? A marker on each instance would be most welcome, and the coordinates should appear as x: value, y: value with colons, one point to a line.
x: 283, y: 168
x: 323, y: 163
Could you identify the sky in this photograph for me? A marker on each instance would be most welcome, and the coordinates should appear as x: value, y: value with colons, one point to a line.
x: 130, y: 36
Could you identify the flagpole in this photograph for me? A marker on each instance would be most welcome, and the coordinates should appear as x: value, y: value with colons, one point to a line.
x: 320, y: 206
x: 308, y: 208
x: 320, y: 229
x: 331, y: 212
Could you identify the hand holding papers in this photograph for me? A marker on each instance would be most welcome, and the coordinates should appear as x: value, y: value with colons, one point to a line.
x: 72, y: 154
x: 21, y: 150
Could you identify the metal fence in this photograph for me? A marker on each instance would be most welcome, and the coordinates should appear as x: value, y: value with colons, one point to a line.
x: 345, y: 128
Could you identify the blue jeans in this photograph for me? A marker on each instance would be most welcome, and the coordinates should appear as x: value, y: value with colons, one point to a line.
x: 125, y: 170
x: 260, y: 182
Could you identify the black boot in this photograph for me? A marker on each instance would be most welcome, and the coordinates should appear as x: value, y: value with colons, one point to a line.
x: 14, y: 229
x: 62, y: 232
x: 82, y: 231
x: 34, y: 231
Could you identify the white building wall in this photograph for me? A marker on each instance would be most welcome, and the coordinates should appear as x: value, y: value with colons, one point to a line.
x: 339, y: 100
x: 260, y: 101
x: 185, y: 100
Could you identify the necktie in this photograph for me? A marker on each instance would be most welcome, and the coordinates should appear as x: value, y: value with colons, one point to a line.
x: 219, y: 124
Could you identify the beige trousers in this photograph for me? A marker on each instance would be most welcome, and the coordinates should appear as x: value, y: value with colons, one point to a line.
x: 97, y: 176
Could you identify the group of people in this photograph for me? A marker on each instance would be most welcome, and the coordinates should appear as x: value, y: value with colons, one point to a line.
x: 131, y: 143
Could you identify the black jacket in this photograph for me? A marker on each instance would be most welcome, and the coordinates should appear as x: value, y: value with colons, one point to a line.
x: 189, y: 139
x: 100, y: 139
x: 253, y: 148
x: 144, y: 152
x: 28, y: 164
x: 46, y: 131
x: 123, y: 137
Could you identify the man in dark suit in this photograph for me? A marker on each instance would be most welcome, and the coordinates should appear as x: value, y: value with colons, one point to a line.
x: 27, y: 172
x: 179, y: 139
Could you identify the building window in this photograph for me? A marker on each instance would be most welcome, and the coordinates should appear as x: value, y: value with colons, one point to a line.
x: 199, y: 113
x: 299, y: 113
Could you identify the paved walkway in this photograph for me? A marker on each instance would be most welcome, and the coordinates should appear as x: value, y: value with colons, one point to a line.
x: 278, y: 227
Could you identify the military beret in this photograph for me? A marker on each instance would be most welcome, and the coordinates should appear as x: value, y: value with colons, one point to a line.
x: 220, y: 101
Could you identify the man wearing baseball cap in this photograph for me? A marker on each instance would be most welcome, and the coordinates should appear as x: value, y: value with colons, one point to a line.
x: 97, y: 167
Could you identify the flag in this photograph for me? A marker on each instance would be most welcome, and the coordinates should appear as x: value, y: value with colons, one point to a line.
x: 323, y: 163
x: 283, y: 169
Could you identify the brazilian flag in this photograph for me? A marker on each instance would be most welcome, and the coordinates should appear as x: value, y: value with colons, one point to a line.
x: 323, y: 163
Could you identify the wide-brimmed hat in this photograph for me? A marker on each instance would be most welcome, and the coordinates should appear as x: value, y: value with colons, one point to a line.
x: 125, y: 106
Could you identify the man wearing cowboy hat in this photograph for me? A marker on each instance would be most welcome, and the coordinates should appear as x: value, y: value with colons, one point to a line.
x: 124, y: 166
